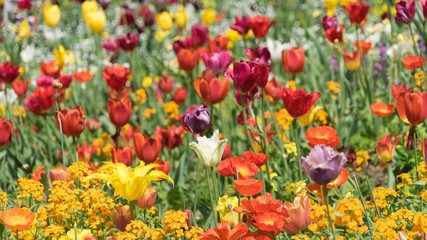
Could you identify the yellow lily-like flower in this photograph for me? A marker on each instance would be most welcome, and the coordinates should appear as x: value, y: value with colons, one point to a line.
x: 225, y: 213
x: 62, y: 56
x: 129, y: 183
x: 52, y: 15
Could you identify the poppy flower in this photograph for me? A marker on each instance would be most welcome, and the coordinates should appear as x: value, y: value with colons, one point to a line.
x: 17, y: 218
x: 165, y: 84
x: 122, y: 155
x: 37, y: 175
x: 340, y: 180
x: 128, y: 42
x: 8, y: 72
x: 6, y: 129
x: 357, y: 12
x: 412, y: 107
x: 385, y: 147
x: 298, y: 102
x: 269, y: 222
x: 334, y: 34
x: 225, y: 168
x: 352, y: 60
x: 84, y: 153
x: 405, y: 12
x: 210, y: 89
x: 299, y: 215
x: 147, y: 149
x: 260, y: 204
x: 260, y: 25
x: 180, y: 95
x: 20, y: 87
x: 223, y: 231
x: 119, y: 111
x: 413, y: 62
x: 248, y: 187
x: 171, y: 137
x: 396, y: 90
x: 365, y: 46
x: 50, y: 69
x: 73, y: 121
x: 258, y: 159
x: 382, y: 109
x: 293, y: 60
x: 246, y: 75
x: 322, y: 135
x: 241, y: 25
x: 236, y: 165
x: 116, y: 77
x: 82, y: 76
x: 41, y: 100
x: 273, y: 90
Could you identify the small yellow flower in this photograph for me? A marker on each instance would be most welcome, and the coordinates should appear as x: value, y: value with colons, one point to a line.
x: 164, y: 21
x: 160, y: 35
x: 208, y: 16
x: 52, y: 15
x: 81, y: 234
x: 181, y: 17
x: 62, y: 56
x: 147, y: 81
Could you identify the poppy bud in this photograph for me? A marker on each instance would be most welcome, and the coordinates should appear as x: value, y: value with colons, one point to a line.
x: 197, y: 120
x: 147, y: 200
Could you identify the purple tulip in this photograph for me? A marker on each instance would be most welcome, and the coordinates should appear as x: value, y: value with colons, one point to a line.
x: 329, y: 22
x: 217, y: 62
x: 323, y: 164
x: 405, y: 12
x: 197, y: 120
x: 262, y: 55
x: 246, y: 75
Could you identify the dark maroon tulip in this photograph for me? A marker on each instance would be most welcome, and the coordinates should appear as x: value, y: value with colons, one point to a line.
x: 127, y: 19
x: 249, y: 96
x: 199, y: 34
x: 246, y: 75
x: 197, y: 120
x: 65, y: 80
x: 241, y: 25
x: 405, y: 12
x: 128, y: 42
x: 110, y: 46
x: 259, y: 54
x: 329, y: 22
x: 323, y: 164
x: 8, y: 72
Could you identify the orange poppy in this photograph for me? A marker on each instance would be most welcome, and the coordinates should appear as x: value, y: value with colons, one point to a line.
x: 82, y: 76
x: 236, y: 165
x: 17, y: 218
x: 258, y: 158
x: 364, y: 45
x: 322, y: 135
x: 261, y: 204
x: 382, y: 109
x: 340, y: 180
x: 248, y: 187
x: 224, y: 232
x: 413, y: 62
x: 317, y: 190
x: 270, y: 221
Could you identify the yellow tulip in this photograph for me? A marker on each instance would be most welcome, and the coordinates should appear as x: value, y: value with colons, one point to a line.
x: 329, y: 4
x: 181, y: 17
x: 129, y: 183
x: 62, y: 56
x: 225, y: 213
x: 96, y: 21
x: 309, y: 116
x: 81, y: 234
x: 1, y: 1
x: 164, y: 21
x: 88, y: 7
x: 24, y: 31
x: 52, y: 15
x: 345, y: 3
x: 208, y: 16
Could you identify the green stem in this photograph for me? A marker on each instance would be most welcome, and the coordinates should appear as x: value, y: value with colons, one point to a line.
x: 49, y: 139
x: 75, y: 153
x: 214, y: 182
x: 212, y: 200
x: 195, y: 193
x: 282, y: 150
x: 297, y: 142
x: 64, y: 156
x: 329, y: 214
x: 373, y: 197
x: 246, y: 122
x: 413, y: 39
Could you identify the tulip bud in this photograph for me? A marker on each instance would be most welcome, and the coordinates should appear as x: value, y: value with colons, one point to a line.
x: 119, y: 111
x: 147, y: 200
x: 165, y: 84
x: 208, y: 16
x: 197, y: 120
x: 181, y: 17
x: 122, y: 217
x: 58, y: 174
x: 164, y: 21
x: 6, y: 129
x: 180, y: 95
x: 122, y: 155
x: 52, y: 15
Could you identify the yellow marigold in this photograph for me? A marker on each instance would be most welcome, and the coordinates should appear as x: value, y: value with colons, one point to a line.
x: 154, y: 234
x: 319, y: 217
x: 283, y: 119
x: 140, y: 96
x: 138, y: 228
x: 29, y: 188
x: 3, y: 200
x: 194, y: 233
x: 385, y: 229
x: 422, y: 170
x: 54, y: 231
x: 79, y: 170
x: 420, y: 77
x: 126, y: 236
x: 175, y: 222
x: 148, y: 112
x: 321, y: 117
x: 334, y: 89
x: 351, y: 215
x: 420, y: 223
x: 97, y: 208
x: 383, y: 198
x: 406, y: 180
x: 300, y: 237
x: 402, y: 217
x: 362, y: 157
x: 171, y: 110
x: 26, y: 234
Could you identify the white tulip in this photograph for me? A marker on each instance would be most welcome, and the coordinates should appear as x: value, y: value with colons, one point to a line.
x: 209, y: 150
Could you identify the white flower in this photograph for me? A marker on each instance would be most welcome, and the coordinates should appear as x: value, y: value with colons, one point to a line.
x: 28, y: 53
x: 275, y: 47
x: 209, y: 150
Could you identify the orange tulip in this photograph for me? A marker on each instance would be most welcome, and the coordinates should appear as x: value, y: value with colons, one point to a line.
x: 122, y: 155
x: 180, y: 95
x: 412, y: 107
x: 147, y: 149
x: 122, y: 217
x: 147, y: 200
x: 82, y: 76
x: 293, y: 60
x: 352, y: 60
x: 50, y: 68
x: 187, y: 59
x: 413, y: 62
x: 260, y: 25
x: 211, y: 89
x: 17, y: 218
x: 20, y: 87
x: 385, y: 147
x: 73, y: 121
x: 119, y: 111
x: 382, y: 109
x: 6, y: 129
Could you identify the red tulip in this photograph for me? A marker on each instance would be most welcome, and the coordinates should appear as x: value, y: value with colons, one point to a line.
x: 50, y: 69
x: 293, y: 60
x: 73, y: 121
x: 165, y: 84
x: 246, y: 75
x: 171, y: 137
x: 396, y: 90
x: 65, y: 80
x: 21, y: 87
x: 412, y: 107
x: 180, y: 95
x: 357, y: 12
x: 187, y: 59
x: 334, y: 34
x: 413, y: 62
x: 122, y: 155
x: 41, y: 100
x: 210, y: 89
x: 84, y: 153
x: 260, y: 25
x: 298, y: 102
x: 8, y: 72
x: 147, y: 149
x: 273, y: 90
x: 119, y: 111
x: 385, y: 147
x: 241, y: 25
x: 127, y: 19
x: 116, y: 77
x: 6, y: 129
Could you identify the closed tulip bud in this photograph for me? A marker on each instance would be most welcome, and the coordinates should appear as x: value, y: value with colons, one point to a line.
x: 6, y: 129
x: 147, y: 200
x: 52, y: 15
x: 122, y: 155
x: 164, y: 21
x: 208, y: 16
x: 93, y: 125
x: 147, y: 149
x: 180, y: 95
x: 58, y: 174
x: 293, y: 60
x: 273, y: 90
x: 122, y: 217
x: 181, y: 17
x: 20, y: 87
x: 24, y: 31
x: 352, y: 60
x: 165, y: 84
x: 197, y: 120
x: 187, y: 59
x: 73, y: 121
x: 405, y: 12
x: 119, y: 111
x: 96, y: 21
